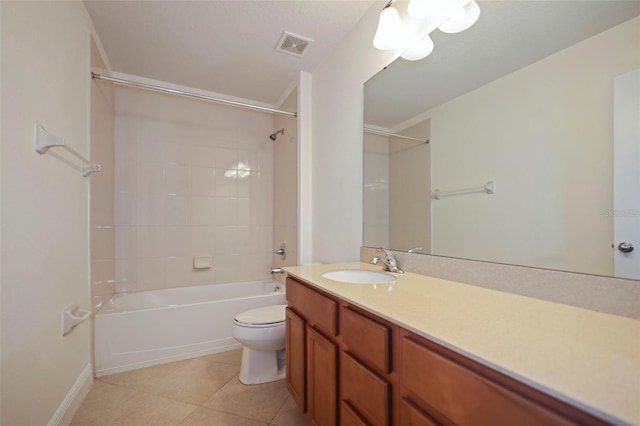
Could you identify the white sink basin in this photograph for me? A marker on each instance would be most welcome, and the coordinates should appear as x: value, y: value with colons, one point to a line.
x: 359, y: 276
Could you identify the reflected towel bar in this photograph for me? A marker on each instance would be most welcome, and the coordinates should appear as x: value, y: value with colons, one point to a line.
x: 489, y: 188
x: 45, y: 140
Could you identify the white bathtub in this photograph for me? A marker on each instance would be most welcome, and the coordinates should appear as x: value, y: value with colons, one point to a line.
x: 153, y: 327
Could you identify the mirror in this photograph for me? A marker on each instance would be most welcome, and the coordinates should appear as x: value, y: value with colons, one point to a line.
x: 519, y: 114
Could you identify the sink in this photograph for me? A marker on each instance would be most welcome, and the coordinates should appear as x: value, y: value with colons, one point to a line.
x: 359, y: 276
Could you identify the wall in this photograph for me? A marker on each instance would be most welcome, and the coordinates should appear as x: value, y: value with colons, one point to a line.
x: 557, y: 124
x: 376, y: 190
x: 192, y: 179
x: 45, y: 202
x: 102, y: 231
x: 410, y: 190
x: 285, y: 184
x: 337, y: 141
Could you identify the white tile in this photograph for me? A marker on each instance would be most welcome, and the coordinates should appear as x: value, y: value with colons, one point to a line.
x: 177, y: 241
x: 176, y: 153
x: 244, y: 186
x: 150, y: 209
x: 149, y: 151
x: 226, y: 158
x: 244, y: 162
x: 150, y: 178
x: 150, y: 241
x: 244, y: 211
x: 226, y: 211
x: 232, y: 239
x: 125, y: 209
x: 202, y: 211
x: 177, y: 211
x: 203, y: 276
x: 202, y: 181
x: 203, y: 240
x: 202, y: 156
x: 226, y: 183
x: 102, y: 243
x: 126, y: 275
x: 178, y: 272
x: 150, y: 274
x: 125, y: 176
x: 177, y: 179
x: 125, y: 242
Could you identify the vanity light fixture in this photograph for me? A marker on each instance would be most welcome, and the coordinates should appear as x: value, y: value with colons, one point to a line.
x: 391, y: 33
x: 450, y: 16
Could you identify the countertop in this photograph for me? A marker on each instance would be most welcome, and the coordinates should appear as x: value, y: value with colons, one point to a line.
x: 588, y: 359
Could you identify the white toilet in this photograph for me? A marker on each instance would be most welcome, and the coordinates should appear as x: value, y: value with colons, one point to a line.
x: 261, y: 332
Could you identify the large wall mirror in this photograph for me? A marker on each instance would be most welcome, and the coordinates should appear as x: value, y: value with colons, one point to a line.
x: 522, y: 113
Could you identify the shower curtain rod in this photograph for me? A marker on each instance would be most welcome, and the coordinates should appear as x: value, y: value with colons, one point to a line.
x: 190, y: 95
x: 395, y: 135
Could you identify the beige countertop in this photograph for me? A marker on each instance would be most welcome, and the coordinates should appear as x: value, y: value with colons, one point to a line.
x: 588, y: 359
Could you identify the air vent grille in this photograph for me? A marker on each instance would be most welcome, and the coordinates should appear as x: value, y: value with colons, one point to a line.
x: 293, y: 44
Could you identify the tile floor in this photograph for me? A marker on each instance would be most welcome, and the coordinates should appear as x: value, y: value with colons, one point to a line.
x: 195, y: 392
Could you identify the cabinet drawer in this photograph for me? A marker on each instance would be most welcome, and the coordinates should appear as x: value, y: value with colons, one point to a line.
x: 320, y: 311
x: 463, y: 396
x: 412, y: 416
x: 366, y: 339
x: 349, y: 416
x: 364, y: 390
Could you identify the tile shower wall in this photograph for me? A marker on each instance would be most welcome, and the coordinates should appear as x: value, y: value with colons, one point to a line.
x: 101, y: 190
x: 192, y: 179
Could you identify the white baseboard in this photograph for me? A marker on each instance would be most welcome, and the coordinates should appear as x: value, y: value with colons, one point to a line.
x: 76, y: 395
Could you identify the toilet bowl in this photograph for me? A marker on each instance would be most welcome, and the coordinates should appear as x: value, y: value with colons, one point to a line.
x: 261, y: 332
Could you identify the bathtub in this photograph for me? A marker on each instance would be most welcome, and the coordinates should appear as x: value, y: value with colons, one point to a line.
x: 153, y: 327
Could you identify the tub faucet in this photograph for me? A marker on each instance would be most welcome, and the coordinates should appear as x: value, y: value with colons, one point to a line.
x: 389, y: 261
x: 276, y: 271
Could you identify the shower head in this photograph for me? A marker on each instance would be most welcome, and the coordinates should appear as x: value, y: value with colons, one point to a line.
x: 273, y: 136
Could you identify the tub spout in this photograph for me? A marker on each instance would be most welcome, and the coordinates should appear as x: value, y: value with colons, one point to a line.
x: 276, y: 271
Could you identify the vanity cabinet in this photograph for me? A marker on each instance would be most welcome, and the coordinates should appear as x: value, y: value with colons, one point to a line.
x: 347, y: 366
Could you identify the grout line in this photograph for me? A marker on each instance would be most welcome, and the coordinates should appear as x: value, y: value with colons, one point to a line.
x: 278, y: 410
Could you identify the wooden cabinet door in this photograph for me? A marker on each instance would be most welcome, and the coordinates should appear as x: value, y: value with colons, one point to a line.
x: 412, y: 416
x: 322, y: 379
x: 296, y: 358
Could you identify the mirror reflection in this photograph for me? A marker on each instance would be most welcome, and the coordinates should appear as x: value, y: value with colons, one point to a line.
x: 519, y: 112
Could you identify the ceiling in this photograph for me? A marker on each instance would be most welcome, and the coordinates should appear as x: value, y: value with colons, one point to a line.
x: 508, y: 36
x: 227, y: 47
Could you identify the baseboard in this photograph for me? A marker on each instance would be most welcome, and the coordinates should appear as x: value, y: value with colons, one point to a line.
x: 71, y: 403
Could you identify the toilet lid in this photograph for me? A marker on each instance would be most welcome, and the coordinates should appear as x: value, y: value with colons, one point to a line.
x: 266, y: 315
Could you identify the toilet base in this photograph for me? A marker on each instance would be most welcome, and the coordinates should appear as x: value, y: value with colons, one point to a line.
x: 261, y: 366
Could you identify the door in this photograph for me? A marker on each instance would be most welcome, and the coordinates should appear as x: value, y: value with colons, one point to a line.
x: 626, y: 175
x: 296, y: 358
x: 322, y: 378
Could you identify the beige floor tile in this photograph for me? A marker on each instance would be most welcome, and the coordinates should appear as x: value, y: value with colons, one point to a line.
x: 103, y: 404
x: 259, y: 402
x: 150, y: 410
x: 289, y: 415
x: 196, y: 381
x: 207, y: 417
x: 229, y: 357
x: 144, y: 379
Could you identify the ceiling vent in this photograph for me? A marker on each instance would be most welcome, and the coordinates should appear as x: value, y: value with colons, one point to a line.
x: 293, y: 44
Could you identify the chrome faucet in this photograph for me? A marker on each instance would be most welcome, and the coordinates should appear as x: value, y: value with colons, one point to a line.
x: 389, y: 261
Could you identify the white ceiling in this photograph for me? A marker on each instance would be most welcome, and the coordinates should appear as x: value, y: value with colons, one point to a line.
x: 226, y: 47
x: 508, y: 36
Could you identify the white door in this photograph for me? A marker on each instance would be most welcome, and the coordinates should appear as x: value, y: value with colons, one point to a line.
x: 626, y: 175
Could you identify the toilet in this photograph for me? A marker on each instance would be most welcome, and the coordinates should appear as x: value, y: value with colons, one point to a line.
x: 261, y: 332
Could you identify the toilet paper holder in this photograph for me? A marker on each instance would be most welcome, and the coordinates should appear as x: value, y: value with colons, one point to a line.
x: 72, y: 315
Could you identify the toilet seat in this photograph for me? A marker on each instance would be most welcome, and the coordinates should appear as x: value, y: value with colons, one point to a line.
x: 268, y: 316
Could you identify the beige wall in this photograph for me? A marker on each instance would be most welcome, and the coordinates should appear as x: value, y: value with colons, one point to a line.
x: 285, y: 184
x: 102, y: 231
x: 376, y: 190
x: 192, y: 179
x: 409, y: 190
x: 553, y: 119
x: 45, y: 202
